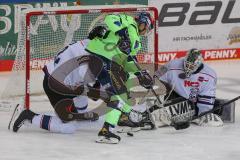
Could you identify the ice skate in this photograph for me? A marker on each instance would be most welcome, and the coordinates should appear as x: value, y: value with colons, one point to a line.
x: 25, y: 115
x: 17, y: 110
x: 106, y: 136
x: 126, y: 125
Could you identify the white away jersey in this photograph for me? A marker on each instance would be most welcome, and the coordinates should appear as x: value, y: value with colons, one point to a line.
x: 199, y: 87
x: 67, y: 66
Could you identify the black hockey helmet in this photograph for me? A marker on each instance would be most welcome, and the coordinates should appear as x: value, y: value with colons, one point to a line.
x: 146, y: 20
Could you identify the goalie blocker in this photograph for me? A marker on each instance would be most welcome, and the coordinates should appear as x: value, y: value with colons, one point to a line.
x: 181, y: 111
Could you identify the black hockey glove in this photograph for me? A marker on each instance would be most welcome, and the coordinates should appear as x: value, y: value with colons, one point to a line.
x: 144, y: 79
x: 98, y: 31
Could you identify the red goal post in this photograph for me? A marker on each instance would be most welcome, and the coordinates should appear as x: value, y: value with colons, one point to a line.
x: 42, y: 35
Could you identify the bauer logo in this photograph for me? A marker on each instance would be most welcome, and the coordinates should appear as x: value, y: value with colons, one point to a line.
x: 28, y: 86
x: 142, y: 9
x: 49, y: 12
x: 174, y: 14
x: 207, y: 24
x: 28, y: 32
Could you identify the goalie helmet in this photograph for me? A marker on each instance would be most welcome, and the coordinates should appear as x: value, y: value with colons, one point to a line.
x: 192, y: 61
x: 146, y: 19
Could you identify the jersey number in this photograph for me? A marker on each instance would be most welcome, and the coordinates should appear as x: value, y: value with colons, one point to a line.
x: 57, y: 58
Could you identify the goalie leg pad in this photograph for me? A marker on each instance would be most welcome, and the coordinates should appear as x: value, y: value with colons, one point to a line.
x: 209, y: 120
x: 177, y: 110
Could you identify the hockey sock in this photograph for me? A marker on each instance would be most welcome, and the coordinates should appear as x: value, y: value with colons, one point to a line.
x: 54, y: 124
x: 42, y: 121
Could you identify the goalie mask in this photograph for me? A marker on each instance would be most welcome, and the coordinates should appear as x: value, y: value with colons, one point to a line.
x: 192, y: 62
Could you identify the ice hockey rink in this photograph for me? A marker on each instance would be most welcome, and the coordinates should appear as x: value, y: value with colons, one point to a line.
x: 194, y: 143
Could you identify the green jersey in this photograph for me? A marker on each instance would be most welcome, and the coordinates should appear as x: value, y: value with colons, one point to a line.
x: 107, y: 46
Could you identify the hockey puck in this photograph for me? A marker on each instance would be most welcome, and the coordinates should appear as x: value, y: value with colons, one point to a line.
x: 129, y: 134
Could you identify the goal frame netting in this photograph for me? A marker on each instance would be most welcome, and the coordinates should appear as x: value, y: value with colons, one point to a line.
x: 78, y: 10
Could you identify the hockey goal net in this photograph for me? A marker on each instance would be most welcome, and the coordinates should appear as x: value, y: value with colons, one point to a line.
x: 44, y: 32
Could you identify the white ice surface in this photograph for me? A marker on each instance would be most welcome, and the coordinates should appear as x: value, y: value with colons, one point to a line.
x: 194, y: 143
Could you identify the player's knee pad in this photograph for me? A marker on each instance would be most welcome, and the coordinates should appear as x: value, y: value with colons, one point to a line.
x: 64, y: 109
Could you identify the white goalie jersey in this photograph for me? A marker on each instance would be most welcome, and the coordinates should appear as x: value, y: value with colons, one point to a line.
x: 199, y: 87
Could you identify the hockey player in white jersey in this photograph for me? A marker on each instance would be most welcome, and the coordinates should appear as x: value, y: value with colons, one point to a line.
x: 63, y: 83
x: 195, y: 81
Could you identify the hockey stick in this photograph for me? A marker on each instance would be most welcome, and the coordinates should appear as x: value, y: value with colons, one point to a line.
x: 186, y: 124
x: 151, y: 88
x: 161, y: 104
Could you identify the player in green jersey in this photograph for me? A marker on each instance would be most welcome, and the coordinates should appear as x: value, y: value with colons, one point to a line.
x: 117, y: 44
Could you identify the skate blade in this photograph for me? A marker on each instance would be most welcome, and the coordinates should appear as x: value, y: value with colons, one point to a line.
x: 102, y: 139
x: 16, y: 111
x: 128, y: 129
